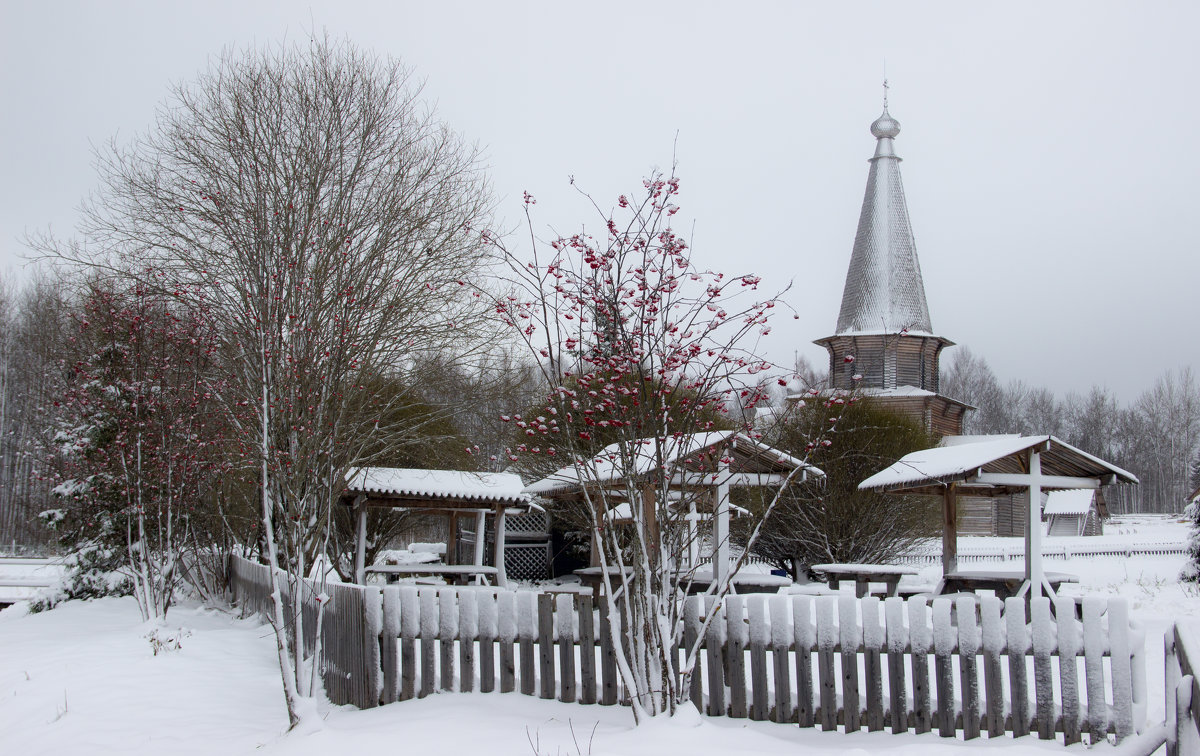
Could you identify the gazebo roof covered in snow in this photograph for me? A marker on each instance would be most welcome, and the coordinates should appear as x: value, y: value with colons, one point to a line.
x: 451, y: 489
x: 990, y: 465
x: 692, y: 459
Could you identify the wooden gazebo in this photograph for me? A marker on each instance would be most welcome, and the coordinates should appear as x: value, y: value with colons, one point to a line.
x: 997, y: 467
x: 702, y: 468
x: 454, y: 493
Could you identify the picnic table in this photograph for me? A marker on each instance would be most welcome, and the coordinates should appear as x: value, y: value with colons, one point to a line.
x: 1006, y: 583
x: 697, y: 582
x: 460, y: 573
x: 865, y: 574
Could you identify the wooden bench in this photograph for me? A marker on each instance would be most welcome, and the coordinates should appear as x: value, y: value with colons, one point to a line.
x: 1005, y: 583
x: 460, y: 573
x: 865, y: 574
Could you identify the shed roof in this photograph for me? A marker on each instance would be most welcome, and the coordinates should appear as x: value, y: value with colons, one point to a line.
x: 690, y: 452
x: 927, y: 471
x: 437, y: 486
x: 1072, y: 502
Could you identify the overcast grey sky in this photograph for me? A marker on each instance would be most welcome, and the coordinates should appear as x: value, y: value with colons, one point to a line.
x: 1050, y: 159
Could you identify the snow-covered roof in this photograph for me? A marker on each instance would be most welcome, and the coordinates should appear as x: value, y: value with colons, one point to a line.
x: 1072, y: 502
x: 456, y: 485
x: 608, y: 466
x: 884, y: 292
x: 959, y: 462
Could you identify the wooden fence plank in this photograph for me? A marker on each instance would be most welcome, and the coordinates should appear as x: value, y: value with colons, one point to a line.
x: 691, y: 631
x: 826, y: 643
x: 429, y: 630
x: 526, y: 632
x: 806, y: 641
x: 468, y: 633
x: 735, y: 626
x: 545, y: 625
x: 897, y: 642
x: 447, y: 632
x: 390, y: 639
x: 1070, y: 644
x: 608, y: 656
x: 781, y: 643
x: 487, y: 641
x: 1043, y: 670
x: 506, y: 633
x: 714, y: 646
x: 1018, y: 676
x: 1122, y: 668
x: 565, y: 623
x: 850, y: 635
x: 587, y: 650
x: 993, y: 671
x: 873, y: 645
x: 943, y: 666
x: 921, y: 639
x: 372, y: 627
x: 1093, y: 655
x: 968, y: 651
x: 759, y: 635
x: 410, y: 630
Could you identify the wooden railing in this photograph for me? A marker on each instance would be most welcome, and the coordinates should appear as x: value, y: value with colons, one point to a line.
x: 1183, y: 689
x: 956, y: 666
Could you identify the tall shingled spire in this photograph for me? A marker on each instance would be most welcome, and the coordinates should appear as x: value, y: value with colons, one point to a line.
x: 884, y: 344
x: 884, y: 292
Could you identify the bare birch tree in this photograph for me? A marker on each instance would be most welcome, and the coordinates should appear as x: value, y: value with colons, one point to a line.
x: 332, y: 226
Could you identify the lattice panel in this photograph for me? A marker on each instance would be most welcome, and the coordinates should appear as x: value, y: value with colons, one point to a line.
x: 522, y: 561
x: 534, y: 522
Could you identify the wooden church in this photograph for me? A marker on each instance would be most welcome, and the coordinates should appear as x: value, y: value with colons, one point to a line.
x: 884, y: 345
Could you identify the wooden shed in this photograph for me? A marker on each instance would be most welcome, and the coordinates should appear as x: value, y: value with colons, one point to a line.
x: 1078, y: 512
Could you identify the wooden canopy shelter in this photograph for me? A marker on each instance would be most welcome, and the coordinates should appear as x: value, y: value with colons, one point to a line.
x: 983, y: 466
x: 699, y: 467
x: 454, y: 493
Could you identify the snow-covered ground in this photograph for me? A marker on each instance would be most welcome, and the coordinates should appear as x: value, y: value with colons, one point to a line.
x: 84, y: 678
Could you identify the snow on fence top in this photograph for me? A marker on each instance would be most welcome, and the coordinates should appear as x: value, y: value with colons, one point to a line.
x: 961, y: 462
x: 437, y: 484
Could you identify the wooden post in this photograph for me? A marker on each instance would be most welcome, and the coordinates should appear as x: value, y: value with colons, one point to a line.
x: 949, y: 529
x: 720, y: 561
x: 650, y: 512
x: 480, y: 536
x: 452, y: 540
x: 498, y: 551
x: 360, y: 541
x: 1034, y: 572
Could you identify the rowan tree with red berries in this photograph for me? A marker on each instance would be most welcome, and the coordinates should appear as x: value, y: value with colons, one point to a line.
x: 645, y: 355
x: 139, y: 436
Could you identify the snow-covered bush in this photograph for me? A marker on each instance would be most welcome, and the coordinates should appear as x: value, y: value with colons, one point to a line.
x: 1191, y: 570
